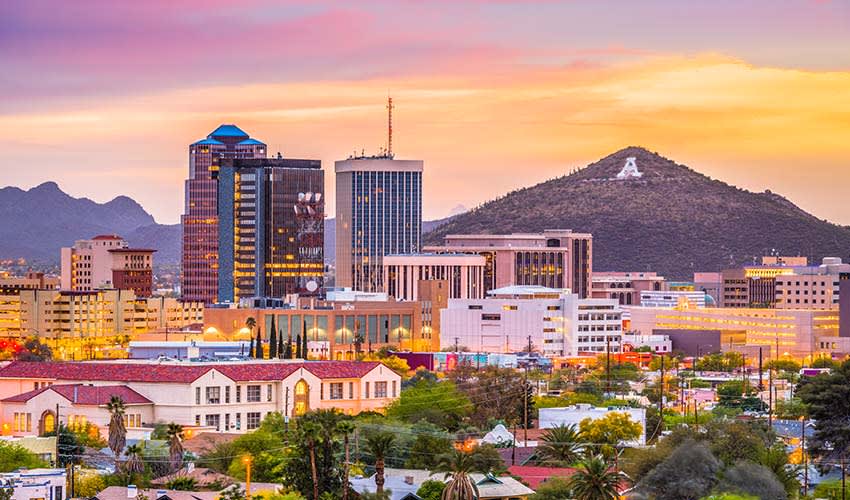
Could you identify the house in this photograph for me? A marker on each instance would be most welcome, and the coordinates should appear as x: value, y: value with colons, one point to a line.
x: 573, y: 415
x: 131, y: 493
x: 42, y: 484
x: 534, y: 476
x: 229, y: 397
x: 404, y: 483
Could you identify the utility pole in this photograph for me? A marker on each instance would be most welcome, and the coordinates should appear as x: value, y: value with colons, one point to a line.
x: 661, y: 397
x: 286, y: 412
x: 761, y: 368
x: 804, y: 456
x: 843, y: 483
x: 770, y: 398
x: 56, y: 432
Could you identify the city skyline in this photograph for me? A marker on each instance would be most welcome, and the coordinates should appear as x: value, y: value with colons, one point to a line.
x: 755, y: 94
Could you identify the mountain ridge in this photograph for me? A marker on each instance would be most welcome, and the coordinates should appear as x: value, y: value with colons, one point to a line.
x: 672, y: 219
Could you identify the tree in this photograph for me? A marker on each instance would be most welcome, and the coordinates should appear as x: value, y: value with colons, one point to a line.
x: 134, y: 464
x: 182, y: 483
x: 431, y: 489
x: 379, y: 445
x: 69, y: 446
x: 783, y: 365
x: 345, y: 428
x: 431, y: 442
x: 823, y: 362
x: 311, y: 433
x: 298, y: 354
x: 251, y: 323
x: 608, y: 432
x: 555, y: 488
x: 752, y: 479
x: 732, y: 441
x: 488, y: 460
x: 458, y: 465
x: 281, y: 350
x: 175, y: 445
x: 776, y: 460
x: 595, y: 480
x: 559, y: 447
x: 273, y: 341
x: 497, y: 394
x: 296, y: 464
x: 88, y: 485
x: 34, y: 350
x: 689, y: 473
x: 259, y: 353
x: 439, y: 403
x: 287, y: 353
x: 304, y: 350
x: 828, y: 399
x: 117, y: 431
x: 251, y: 347
x: 13, y: 456
x: 735, y: 394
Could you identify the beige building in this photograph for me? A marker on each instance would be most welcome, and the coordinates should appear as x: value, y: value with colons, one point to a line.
x: 555, y: 258
x: 30, y: 281
x: 226, y: 397
x: 792, y: 332
x: 813, y: 287
x: 78, y: 323
x: 464, y: 274
x: 106, y: 261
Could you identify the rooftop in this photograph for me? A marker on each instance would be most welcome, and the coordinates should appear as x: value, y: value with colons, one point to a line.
x: 101, y: 237
x: 181, y: 372
x: 228, y: 130
x: 251, y: 142
x: 527, y: 290
x: 85, y: 394
x: 208, y: 142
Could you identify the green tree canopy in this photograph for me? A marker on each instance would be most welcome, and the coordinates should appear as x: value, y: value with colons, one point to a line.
x: 13, y: 456
x: 828, y: 399
x: 689, y: 473
x: 439, y: 403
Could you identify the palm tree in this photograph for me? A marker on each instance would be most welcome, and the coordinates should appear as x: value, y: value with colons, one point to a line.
x: 250, y: 323
x: 175, y: 445
x: 345, y: 428
x: 117, y: 431
x: 595, y: 480
x: 134, y: 464
x: 379, y: 444
x: 311, y: 433
x: 458, y: 465
x: 560, y: 447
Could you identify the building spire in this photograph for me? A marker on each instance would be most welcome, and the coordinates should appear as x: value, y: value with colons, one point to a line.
x: 389, y: 125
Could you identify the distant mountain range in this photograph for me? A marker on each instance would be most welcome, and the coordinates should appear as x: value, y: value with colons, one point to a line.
x: 38, y: 222
x: 670, y: 219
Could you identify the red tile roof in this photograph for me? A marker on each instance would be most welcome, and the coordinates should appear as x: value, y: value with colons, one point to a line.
x: 107, y: 237
x: 85, y: 394
x: 152, y: 372
x: 534, y: 476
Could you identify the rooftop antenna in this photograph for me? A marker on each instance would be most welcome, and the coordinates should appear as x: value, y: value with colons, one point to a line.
x: 389, y: 125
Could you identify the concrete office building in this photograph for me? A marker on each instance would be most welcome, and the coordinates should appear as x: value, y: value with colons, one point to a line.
x: 558, y: 323
x: 844, y: 304
x: 793, y: 331
x: 378, y: 213
x: 671, y: 298
x: 107, y: 261
x: 271, y: 227
x: 625, y: 287
x: 200, y: 216
x: 557, y: 258
x: 811, y: 287
x: 711, y: 284
x: 463, y: 272
x: 32, y: 280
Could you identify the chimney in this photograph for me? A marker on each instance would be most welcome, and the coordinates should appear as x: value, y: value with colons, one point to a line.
x: 131, y: 491
x: 408, y: 480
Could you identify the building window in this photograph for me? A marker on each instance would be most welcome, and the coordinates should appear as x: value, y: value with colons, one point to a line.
x: 380, y: 389
x: 238, y: 393
x: 132, y: 420
x: 491, y: 317
x: 351, y: 390
x: 197, y: 420
x: 336, y: 390
x: 214, y: 421
x: 394, y: 388
x: 238, y: 421
x: 227, y: 394
x: 252, y: 420
x: 227, y: 422
x: 213, y: 395
x: 197, y: 395
x: 269, y: 392
x: 367, y: 390
x: 23, y: 422
x: 252, y: 394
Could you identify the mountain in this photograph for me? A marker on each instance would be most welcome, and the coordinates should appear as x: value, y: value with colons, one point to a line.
x: 672, y: 219
x: 330, y: 235
x: 38, y: 222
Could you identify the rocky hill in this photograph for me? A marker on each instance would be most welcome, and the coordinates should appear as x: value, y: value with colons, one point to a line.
x: 39, y: 221
x: 670, y: 219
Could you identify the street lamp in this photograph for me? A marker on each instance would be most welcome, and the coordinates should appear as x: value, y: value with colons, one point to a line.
x: 247, y: 461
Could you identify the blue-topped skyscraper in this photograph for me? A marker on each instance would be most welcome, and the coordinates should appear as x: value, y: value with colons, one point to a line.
x: 378, y: 213
x: 200, y: 219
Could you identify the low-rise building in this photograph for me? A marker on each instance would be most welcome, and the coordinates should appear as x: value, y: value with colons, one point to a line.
x: 35, y: 484
x: 672, y: 298
x: 402, y: 484
x: 464, y: 274
x: 626, y: 287
x: 556, y: 322
x: 107, y: 261
x: 32, y: 280
x: 812, y: 287
x: 226, y: 397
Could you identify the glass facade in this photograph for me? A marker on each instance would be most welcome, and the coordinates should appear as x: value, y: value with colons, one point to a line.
x: 200, y: 218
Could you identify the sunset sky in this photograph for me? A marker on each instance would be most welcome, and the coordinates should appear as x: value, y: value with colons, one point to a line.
x: 104, y: 96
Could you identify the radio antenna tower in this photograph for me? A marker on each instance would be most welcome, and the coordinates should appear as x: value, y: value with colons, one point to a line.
x: 390, y: 126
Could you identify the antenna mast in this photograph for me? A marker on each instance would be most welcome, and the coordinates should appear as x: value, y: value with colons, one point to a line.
x: 390, y: 126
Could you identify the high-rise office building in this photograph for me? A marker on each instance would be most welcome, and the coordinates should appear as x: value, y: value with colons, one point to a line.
x: 200, y: 220
x: 107, y: 261
x: 378, y: 213
x: 270, y: 228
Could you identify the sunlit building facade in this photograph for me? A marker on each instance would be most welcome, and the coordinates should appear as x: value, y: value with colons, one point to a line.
x: 557, y: 258
x: 378, y: 213
x: 463, y: 272
x: 271, y: 228
x: 107, y: 261
x: 200, y: 218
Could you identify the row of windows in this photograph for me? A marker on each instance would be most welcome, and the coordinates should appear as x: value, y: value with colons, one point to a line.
x: 252, y: 421
x: 213, y: 396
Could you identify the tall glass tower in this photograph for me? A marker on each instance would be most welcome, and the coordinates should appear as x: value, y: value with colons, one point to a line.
x: 200, y: 220
x: 378, y: 213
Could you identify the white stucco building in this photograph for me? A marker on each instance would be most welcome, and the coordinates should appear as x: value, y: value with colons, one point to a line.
x: 558, y: 322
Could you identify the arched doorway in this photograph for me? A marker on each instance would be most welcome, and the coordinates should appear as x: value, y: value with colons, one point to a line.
x: 47, y: 423
x: 301, y: 401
